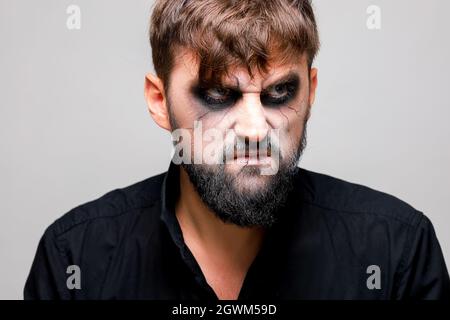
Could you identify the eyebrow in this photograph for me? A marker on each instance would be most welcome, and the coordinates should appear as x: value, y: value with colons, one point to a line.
x: 291, y: 76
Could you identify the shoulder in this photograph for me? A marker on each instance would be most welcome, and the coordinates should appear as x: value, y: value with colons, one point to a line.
x: 351, y: 200
x: 119, y: 204
x: 92, y: 232
x: 90, y: 235
x: 366, y: 225
x: 357, y: 227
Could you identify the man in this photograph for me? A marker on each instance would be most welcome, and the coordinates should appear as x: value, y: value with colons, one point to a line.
x: 234, y: 217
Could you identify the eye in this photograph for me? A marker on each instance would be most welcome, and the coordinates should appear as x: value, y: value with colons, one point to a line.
x: 216, y: 97
x: 217, y: 94
x: 279, y: 94
x: 279, y: 91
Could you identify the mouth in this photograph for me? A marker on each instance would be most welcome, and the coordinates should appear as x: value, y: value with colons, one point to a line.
x: 253, y: 157
x: 255, y: 153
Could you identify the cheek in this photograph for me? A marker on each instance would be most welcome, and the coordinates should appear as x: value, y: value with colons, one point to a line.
x: 288, y: 119
x: 290, y: 122
x: 186, y: 111
x: 291, y: 116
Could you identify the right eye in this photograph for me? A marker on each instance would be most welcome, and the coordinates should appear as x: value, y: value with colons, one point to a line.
x: 217, y: 97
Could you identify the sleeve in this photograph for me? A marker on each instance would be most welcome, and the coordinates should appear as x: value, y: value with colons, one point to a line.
x: 47, y: 278
x: 424, y: 275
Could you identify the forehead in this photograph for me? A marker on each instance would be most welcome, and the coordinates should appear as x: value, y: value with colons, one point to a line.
x: 186, y: 67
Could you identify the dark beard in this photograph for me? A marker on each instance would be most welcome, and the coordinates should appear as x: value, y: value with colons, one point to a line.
x: 260, y: 208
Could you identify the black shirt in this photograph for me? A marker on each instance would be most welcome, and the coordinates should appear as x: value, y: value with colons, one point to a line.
x: 334, y: 240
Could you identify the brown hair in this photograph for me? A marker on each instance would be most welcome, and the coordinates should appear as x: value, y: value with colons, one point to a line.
x: 225, y: 33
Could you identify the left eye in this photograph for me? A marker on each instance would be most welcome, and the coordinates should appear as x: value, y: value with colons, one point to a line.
x: 278, y: 94
x: 279, y: 91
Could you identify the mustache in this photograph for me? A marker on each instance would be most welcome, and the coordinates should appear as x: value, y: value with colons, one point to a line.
x: 244, y: 147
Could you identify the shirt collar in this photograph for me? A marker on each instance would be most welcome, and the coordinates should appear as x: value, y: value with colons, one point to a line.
x: 169, y: 194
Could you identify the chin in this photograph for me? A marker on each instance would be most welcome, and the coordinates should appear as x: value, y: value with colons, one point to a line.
x: 249, y: 182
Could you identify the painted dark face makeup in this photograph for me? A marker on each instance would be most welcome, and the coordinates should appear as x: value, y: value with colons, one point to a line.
x: 282, y: 93
x: 251, y: 108
x: 218, y: 98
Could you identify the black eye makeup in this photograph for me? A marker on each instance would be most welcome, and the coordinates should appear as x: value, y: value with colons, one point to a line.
x: 281, y: 93
x: 217, y: 98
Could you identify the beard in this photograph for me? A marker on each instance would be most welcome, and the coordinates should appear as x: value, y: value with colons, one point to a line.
x: 219, y: 191
x: 232, y: 202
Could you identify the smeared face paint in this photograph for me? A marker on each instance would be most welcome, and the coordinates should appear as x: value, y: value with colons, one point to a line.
x: 251, y: 109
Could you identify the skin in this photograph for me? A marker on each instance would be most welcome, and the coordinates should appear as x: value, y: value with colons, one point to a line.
x: 223, y: 251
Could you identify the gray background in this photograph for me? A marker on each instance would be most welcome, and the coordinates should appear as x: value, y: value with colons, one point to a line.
x: 74, y: 123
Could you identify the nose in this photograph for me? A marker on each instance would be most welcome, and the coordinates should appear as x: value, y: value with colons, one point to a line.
x: 251, y: 122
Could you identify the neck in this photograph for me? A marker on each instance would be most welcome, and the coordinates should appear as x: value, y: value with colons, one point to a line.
x: 204, y: 231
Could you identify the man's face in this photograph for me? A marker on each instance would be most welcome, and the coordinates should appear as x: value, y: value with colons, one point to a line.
x: 251, y: 113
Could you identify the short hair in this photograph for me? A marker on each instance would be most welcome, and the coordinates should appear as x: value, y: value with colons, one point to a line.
x: 228, y: 33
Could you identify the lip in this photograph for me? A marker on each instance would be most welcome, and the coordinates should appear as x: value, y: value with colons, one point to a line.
x: 257, y: 156
x: 252, y: 160
x: 257, y: 151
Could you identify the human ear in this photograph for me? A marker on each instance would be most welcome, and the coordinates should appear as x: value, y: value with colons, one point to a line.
x: 156, y: 101
x: 312, y: 85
